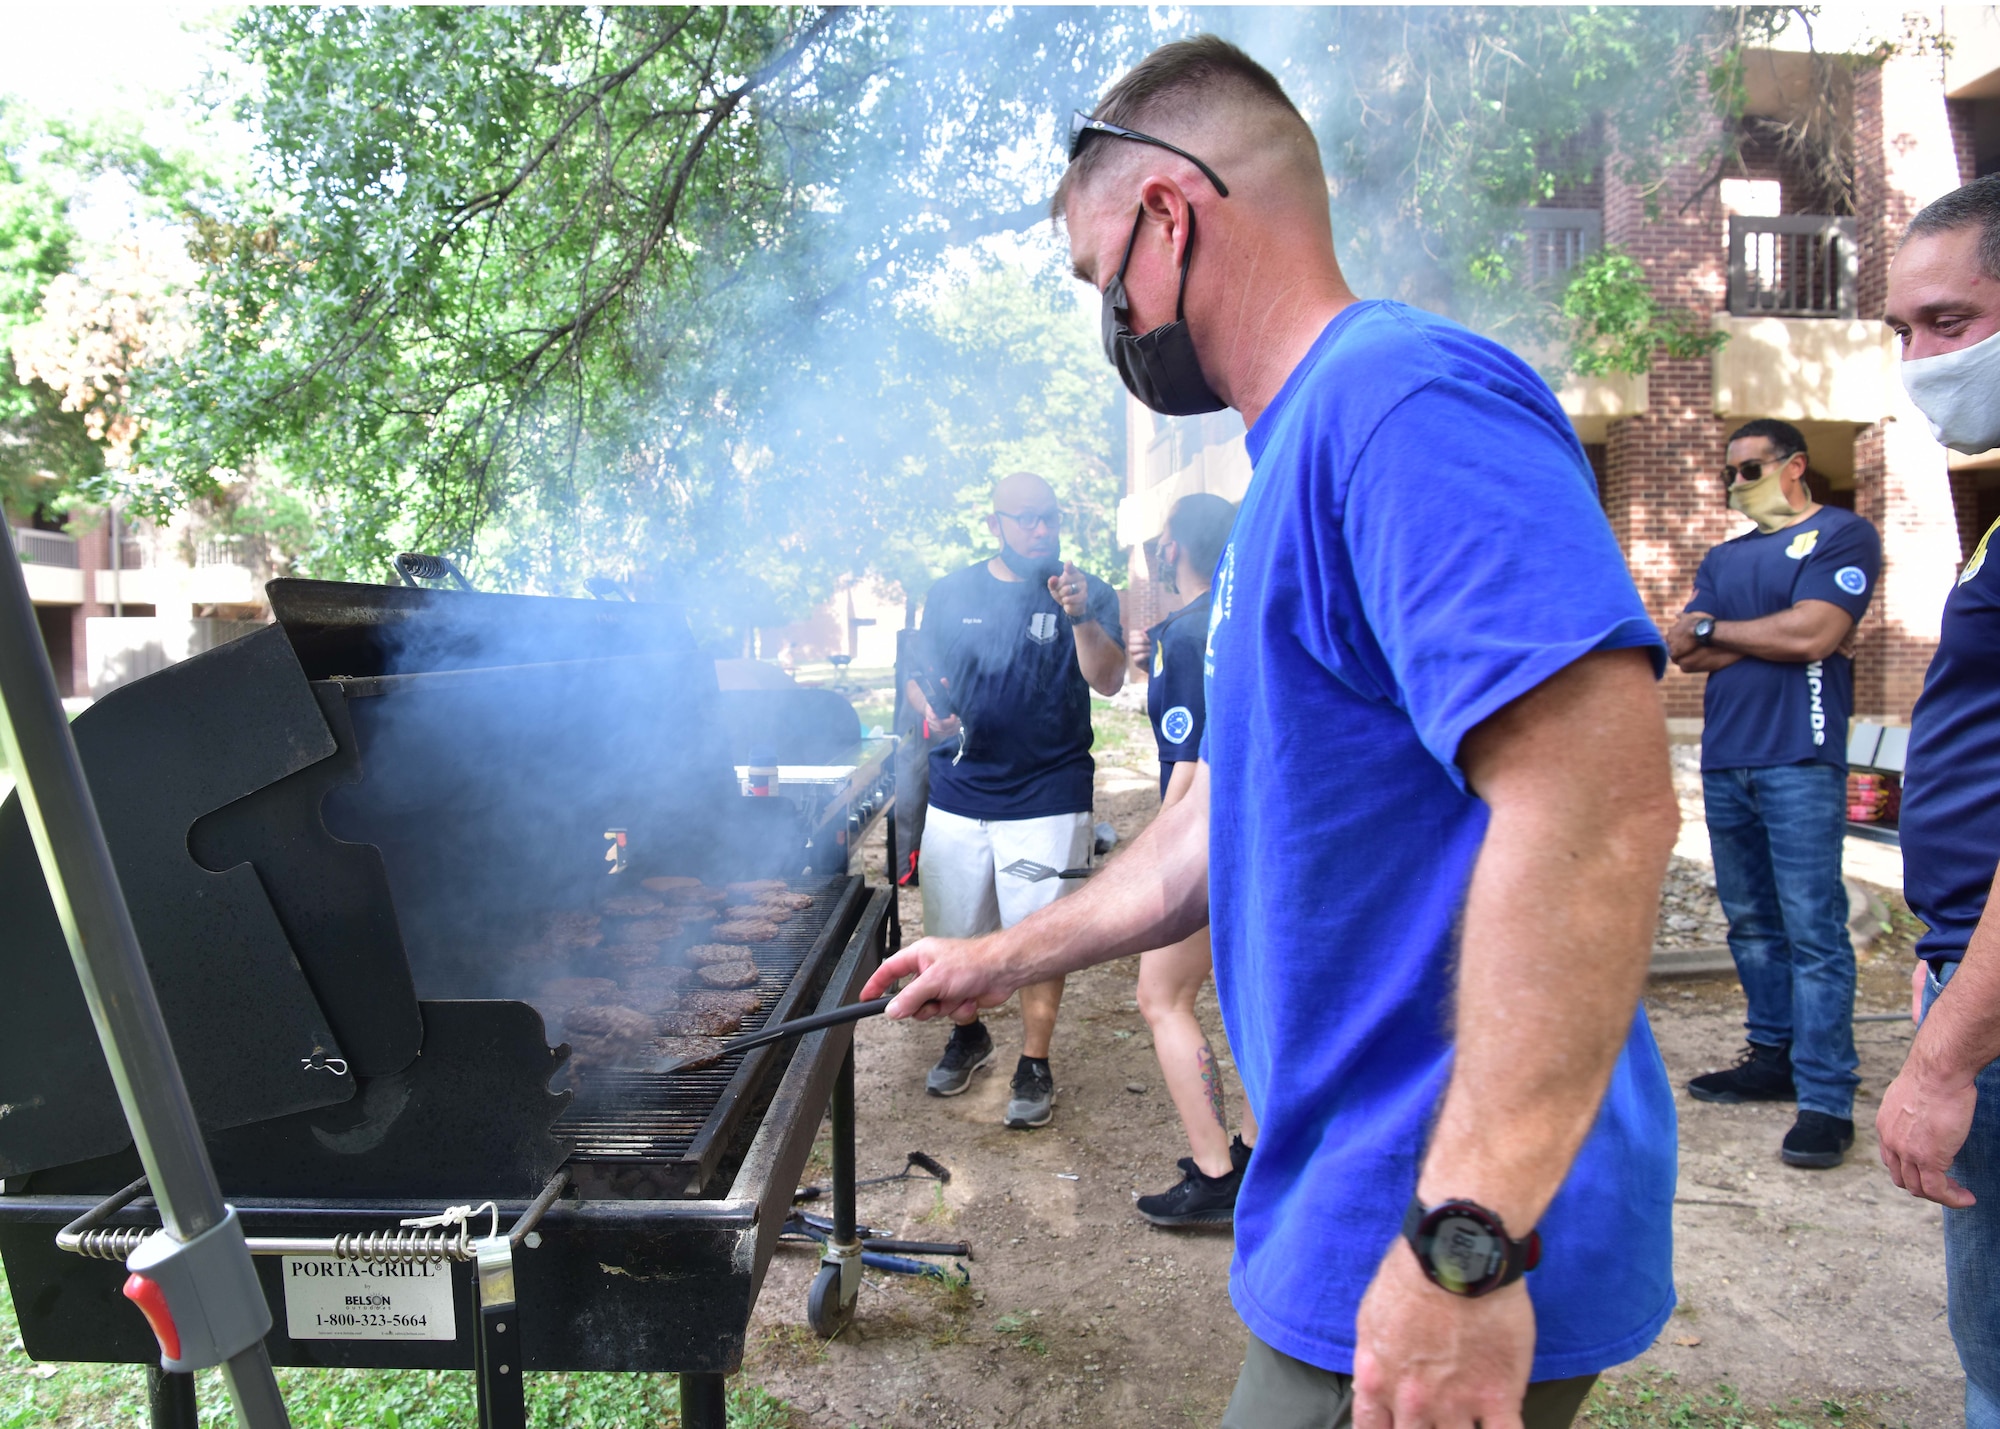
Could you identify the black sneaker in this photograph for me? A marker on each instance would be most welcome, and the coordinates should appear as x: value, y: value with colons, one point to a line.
x: 1817, y: 1140
x: 970, y: 1048
x: 1239, y: 1154
x: 1761, y: 1074
x: 1198, y: 1200
x: 1034, y: 1094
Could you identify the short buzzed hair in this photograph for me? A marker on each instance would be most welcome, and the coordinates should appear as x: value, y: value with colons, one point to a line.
x: 1200, y: 523
x: 1782, y: 435
x: 1977, y: 205
x: 1172, y: 82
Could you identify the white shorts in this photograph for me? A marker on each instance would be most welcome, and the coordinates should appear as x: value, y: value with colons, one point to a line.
x: 965, y: 894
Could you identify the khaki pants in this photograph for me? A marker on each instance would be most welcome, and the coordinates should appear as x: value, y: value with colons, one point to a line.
x: 1276, y: 1391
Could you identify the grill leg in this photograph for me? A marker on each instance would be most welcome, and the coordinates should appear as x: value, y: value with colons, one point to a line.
x: 895, y: 881
x: 170, y: 1399
x: 830, y: 1305
x: 703, y: 1403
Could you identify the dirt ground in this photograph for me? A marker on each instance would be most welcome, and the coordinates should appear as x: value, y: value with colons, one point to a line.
x: 1801, y: 1288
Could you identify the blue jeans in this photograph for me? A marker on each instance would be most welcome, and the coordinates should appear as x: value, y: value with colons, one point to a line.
x: 1777, y: 835
x: 1972, y: 1246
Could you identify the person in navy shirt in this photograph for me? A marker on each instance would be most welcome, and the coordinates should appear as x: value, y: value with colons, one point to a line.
x: 1018, y: 642
x: 1433, y: 812
x: 1171, y: 978
x: 1939, y: 1121
x: 1772, y: 609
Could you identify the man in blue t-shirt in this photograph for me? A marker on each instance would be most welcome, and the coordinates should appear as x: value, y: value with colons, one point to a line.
x: 1017, y: 642
x: 1771, y: 612
x: 1939, y: 1122
x: 1433, y: 811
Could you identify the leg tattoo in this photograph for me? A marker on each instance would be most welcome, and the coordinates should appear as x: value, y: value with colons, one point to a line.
x: 1211, y: 1083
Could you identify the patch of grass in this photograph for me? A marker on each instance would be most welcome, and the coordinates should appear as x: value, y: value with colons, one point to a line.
x: 793, y: 1345
x: 85, y: 1396
x: 1654, y: 1401
x: 1020, y: 1329
x: 939, y: 1213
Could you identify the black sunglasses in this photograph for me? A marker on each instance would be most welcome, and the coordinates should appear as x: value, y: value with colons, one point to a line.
x: 1082, y: 129
x: 1753, y: 469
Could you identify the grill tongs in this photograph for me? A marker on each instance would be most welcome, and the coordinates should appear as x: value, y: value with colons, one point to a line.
x: 778, y: 1031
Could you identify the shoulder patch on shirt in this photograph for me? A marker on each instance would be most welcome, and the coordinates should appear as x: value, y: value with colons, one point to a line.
x: 1978, y: 557
x: 1851, y: 579
x: 1042, y: 627
x: 1802, y: 545
x: 1177, y: 724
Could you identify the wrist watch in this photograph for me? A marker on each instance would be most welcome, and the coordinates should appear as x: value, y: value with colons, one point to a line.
x: 1704, y: 630
x: 1464, y: 1249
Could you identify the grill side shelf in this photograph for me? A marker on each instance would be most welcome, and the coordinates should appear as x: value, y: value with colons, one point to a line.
x: 705, y: 1151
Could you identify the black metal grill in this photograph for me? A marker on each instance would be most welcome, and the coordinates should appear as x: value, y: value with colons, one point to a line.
x: 328, y: 833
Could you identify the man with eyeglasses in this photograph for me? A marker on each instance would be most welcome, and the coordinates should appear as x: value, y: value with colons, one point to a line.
x: 1771, y: 612
x: 1018, y: 642
x: 1432, y: 812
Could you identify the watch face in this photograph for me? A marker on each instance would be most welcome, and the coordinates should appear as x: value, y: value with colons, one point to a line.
x: 1464, y: 1253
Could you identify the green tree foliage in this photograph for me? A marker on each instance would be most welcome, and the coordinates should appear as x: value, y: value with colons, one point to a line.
x: 680, y: 294
x: 40, y: 444
x: 519, y: 276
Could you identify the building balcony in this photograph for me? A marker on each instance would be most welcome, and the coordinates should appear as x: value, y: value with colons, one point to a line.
x: 50, y: 561
x: 1799, y: 265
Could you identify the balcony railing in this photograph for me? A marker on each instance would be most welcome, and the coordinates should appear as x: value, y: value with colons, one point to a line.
x: 1801, y: 265
x: 1555, y: 240
x: 46, y: 548
x: 218, y: 551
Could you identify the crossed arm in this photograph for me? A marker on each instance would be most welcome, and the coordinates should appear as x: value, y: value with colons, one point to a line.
x: 1808, y: 631
x: 1557, y: 933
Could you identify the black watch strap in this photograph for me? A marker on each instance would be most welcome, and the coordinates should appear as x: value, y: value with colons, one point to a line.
x: 1465, y: 1249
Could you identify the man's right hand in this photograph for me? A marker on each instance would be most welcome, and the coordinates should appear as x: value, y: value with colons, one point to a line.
x: 1139, y: 647
x: 955, y: 977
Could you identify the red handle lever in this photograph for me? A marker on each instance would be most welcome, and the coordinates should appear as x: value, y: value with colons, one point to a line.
x: 152, y: 1303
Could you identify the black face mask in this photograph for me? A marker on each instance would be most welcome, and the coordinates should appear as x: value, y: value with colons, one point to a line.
x: 1159, y: 367
x: 1039, y: 570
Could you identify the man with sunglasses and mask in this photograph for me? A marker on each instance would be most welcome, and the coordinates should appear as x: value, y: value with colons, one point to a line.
x: 1771, y: 612
x: 1432, y: 812
x: 1017, y: 643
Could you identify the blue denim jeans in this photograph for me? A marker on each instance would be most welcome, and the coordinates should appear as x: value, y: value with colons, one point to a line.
x: 1972, y: 1246
x: 1777, y: 835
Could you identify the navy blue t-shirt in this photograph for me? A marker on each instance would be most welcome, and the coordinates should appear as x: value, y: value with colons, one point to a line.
x: 1950, y: 823
x: 1009, y: 655
x: 1421, y: 544
x: 1758, y: 714
x: 1173, y: 693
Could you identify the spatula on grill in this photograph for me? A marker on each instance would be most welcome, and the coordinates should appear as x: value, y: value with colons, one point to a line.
x: 1035, y: 872
x: 777, y: 1031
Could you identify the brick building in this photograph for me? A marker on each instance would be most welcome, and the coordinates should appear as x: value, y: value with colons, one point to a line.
x: 1791, y: 269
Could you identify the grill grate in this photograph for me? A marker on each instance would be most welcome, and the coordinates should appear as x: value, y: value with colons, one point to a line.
x: 642, y: 1118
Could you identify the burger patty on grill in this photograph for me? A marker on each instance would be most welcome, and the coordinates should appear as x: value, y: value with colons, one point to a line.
x: 575, y: 930
x: 751, y: 887
x: 746, y: 930
x: 668, y: 883
x: 608, y: 1020
x: 709, y: 1049
x: 634, y: 955
x: 702, y: 953
x: 695, y: 896
x: 789, y: 902
x: 728, y: 974
x: 711, y: 1022
x: 698, y: 998
x: 633, y: 905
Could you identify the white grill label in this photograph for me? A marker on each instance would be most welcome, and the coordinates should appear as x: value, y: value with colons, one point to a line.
x: 331, y: 1299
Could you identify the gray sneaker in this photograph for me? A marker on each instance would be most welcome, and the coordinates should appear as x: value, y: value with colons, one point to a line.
x: 970, y: 1048
x: 1034, y: 1095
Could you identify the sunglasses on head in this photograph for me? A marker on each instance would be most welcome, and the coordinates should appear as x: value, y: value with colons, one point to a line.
x: 1082, y: 129
x: 1753, y: 469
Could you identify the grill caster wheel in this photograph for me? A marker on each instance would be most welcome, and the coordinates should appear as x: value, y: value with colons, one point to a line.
x: 827, y: 1311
